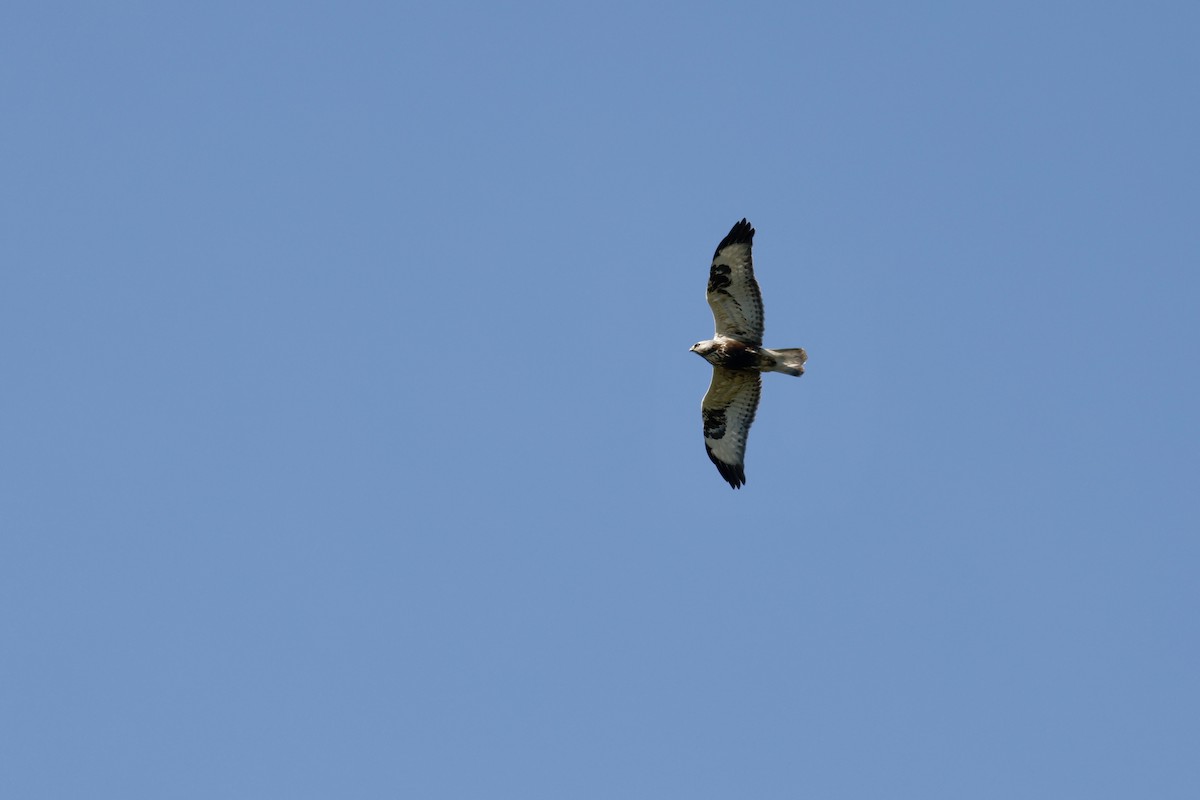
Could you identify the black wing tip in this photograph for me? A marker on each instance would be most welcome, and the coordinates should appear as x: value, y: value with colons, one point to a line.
x: 741, y: 233
x: 735, y: 474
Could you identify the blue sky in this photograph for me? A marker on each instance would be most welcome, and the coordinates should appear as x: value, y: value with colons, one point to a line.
x: 352, y: 448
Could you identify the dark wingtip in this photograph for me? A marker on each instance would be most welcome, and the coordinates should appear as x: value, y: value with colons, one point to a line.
x: 741, y: 233
x: 735, y: 474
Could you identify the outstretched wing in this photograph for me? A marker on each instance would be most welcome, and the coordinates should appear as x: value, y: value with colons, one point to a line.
x: 728, y: 410
x: 732, y: 291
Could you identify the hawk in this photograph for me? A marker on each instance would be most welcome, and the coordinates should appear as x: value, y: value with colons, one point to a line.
x: 737, y: 354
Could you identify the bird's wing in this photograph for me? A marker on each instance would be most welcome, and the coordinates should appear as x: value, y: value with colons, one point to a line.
x: 728, y: 411
x: 732, y: 291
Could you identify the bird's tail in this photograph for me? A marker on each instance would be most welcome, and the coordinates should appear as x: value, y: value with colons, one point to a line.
x: 790, y: 361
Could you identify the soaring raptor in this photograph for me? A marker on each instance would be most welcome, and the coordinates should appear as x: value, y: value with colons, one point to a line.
x: 737, y: 354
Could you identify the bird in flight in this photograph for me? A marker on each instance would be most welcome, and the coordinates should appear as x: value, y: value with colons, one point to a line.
x: 736, y: 354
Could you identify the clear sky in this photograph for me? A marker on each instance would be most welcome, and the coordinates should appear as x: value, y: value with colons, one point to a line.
x: 351, y: 443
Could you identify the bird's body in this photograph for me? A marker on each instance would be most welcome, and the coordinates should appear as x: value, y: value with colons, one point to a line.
x: 737, y: 354
x: 734, y: 354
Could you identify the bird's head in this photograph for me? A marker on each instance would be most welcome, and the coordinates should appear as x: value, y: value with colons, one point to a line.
x: 702, y: 349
